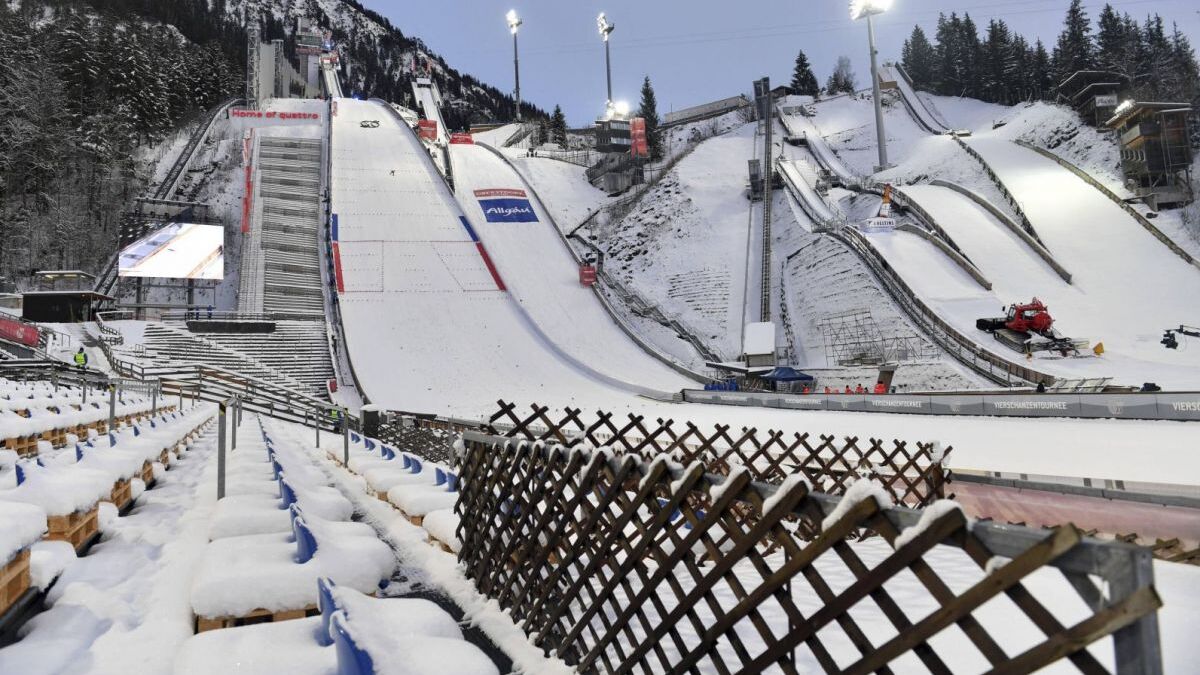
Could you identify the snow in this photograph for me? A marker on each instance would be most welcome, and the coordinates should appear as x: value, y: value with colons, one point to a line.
x: 929, y: 514
x: 1116, y: 266
x: 788, y: 485
x: 759, y: 338
x: 47, y: 560
x: 858, y: 491
x: 23, y: 525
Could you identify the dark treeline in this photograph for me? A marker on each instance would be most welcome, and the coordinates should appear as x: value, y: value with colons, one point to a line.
x: 1004, y: 67
x: 81, y: 90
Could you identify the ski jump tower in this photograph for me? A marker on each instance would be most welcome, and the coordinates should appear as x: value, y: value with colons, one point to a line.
x: 252, y: 65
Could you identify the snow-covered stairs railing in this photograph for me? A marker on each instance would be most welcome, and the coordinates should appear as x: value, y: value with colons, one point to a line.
x: 612, y: 563
x: 911, y: 473
x: 279, y: 528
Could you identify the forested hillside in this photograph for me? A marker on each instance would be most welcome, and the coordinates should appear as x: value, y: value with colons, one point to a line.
x: 84, y: 96
x: 91, y: 89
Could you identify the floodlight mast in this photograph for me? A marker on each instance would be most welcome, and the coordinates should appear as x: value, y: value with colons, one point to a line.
x: 514, y: 22
x: 866, y: 9
x: 606, y: 29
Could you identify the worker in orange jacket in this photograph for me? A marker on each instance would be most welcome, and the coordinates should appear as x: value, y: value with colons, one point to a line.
x: 858, y: 389
x: 848, y: 391
x: 880, y: 388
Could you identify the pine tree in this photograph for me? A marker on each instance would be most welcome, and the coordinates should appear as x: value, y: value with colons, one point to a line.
x: 841, y: 80
x: 1114, y: 43
x: 804, y: 82
x: 919, y: 59
x: 997, y: 63
x: 1074, y: 50
x: 969, y: 50
x: 1040, y: 71
x: 648, y: 111
x: 558, y: 127
x: 948, y: 75
x: 543, y: 131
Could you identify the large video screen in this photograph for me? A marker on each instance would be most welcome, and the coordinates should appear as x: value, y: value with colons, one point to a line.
x: 176, y: 251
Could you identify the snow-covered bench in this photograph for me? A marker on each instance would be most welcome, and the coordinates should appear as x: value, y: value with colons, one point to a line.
x: 21, y: 526
x: 354, y: 633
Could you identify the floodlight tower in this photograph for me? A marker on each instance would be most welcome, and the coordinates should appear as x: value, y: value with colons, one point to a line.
x: 514, y: 22
x: 606, y: 29
x: 858, y: 10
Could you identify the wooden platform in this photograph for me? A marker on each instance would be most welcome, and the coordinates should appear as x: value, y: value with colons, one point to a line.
x: 203, y: 624
x: 14, y: 580
x: 76, y: 528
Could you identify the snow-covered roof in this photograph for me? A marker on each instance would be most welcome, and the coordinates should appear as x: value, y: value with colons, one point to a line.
x: 759, y: 338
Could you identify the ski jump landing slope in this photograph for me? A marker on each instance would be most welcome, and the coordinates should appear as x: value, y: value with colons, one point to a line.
x: 917, y: 106
x: 540, y: 273
x: 1127, y: 286
x: 426, y: 96
x: 428, y: 325
x: 801, y: 126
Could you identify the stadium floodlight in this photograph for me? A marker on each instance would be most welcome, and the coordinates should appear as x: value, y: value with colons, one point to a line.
x: 621, y: 108
x: 606, y: 29
x: 861, y: 8
x: 514, y: 22
x: 1125, y: 106
x: 858, y: 10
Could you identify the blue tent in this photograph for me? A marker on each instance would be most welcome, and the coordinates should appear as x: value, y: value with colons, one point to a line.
x: 786, y: 374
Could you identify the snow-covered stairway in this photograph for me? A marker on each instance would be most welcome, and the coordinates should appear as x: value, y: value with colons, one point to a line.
x: 282, y: 272
x: 297, y: 349
x: 170, y: 345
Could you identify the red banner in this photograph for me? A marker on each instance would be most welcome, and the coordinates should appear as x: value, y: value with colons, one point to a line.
x: 462, y: 139
x: 246, y: 202
x: 637, y: 136
x: 587, y: 275
x: 22, y: 333
x: 274, y: 114
x: 428, y: 129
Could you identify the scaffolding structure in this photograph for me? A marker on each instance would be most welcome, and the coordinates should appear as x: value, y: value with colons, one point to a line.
x: 853, y: 338
x: 252, y: 65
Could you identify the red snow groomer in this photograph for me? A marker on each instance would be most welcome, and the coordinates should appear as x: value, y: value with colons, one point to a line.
x: 1029, y: 328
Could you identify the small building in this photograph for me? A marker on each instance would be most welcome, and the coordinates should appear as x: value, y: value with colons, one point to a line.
x: 614, y: 135
x: 62, y: 306
x: 64, y: 280
x: 758, y: 344
x: 1093, y: 94
x: 1156, y: 150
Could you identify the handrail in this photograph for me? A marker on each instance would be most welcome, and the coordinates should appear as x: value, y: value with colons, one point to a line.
x: 613, y: 314
x: 1008, y: 222
x: 1142, y: 220
x: 1012, y: 200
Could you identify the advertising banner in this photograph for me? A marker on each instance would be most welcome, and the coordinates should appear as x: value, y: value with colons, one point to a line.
x: 639, y: 147
x: 1179, y: 406
x: 1118, y: 406
x: 21, y: 333
x: 1045, y: 405
x: 427, y: 129
x: 587, y: 275
x: 504, y: 205
x: 462, y: 139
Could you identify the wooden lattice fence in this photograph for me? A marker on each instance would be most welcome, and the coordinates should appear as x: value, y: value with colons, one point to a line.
x: 911, y: 472
x: 602, y: 559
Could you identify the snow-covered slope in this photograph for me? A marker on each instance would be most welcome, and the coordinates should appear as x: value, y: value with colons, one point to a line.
x: 540, y: 273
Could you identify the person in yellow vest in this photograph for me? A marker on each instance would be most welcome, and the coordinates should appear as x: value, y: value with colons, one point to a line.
x: 335, y: 416
x: 81, y: 359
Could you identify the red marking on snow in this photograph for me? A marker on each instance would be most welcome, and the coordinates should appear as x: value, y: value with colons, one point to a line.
x: 500, y: 192
x: 491, y: 268
x: 337, y: 269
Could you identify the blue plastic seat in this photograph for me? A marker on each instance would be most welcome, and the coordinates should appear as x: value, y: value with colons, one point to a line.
x: 370, y: 444
x: 388, y: 454
x: 405, y: 461
x: 306, y: 544
x: 414, y: 465
x: 439, y: 476
x: 328, y: 605
x: 451, y: 482
x: 352, y: 659
x: 286, y: 493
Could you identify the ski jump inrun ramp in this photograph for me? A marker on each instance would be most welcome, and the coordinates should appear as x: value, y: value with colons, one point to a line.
x: 428, y: 322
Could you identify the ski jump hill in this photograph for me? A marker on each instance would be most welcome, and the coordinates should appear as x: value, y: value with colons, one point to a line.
x: 429, y: 320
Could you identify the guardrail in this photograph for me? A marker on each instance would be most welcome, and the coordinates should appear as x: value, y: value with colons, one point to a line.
x: 1008, y: 222
x: 1008, y: 196
x: 966, y: 351
x: 1142, y: 220
x: 964, y: 263
x: 1181, y: 406
x: 624, y: 294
